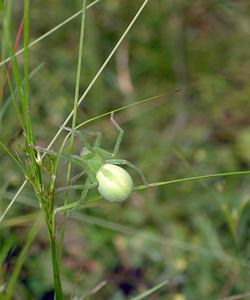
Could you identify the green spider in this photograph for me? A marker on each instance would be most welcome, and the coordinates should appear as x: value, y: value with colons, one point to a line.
x: 101, y: 167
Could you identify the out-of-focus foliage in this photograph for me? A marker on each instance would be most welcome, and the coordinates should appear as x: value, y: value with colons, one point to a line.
x: 194, y: 234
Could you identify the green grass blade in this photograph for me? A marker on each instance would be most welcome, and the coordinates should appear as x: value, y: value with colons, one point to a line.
x: 56, y: 268
x: 79, y: 65
x: 49, y: 32
x: 20, y: 90
x: 200, y: 177
x: 13, y: 157
x: 5, y: 20
x: 76, y: 97
x: 157, y: 97
x: 12, y: 201
x: 16, y: 104
x: 150, y: 291
x: 6, y: 13
x: 8, y: 100
x: 26, y: 88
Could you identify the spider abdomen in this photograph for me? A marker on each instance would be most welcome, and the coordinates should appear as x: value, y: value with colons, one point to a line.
x: 115, y: 184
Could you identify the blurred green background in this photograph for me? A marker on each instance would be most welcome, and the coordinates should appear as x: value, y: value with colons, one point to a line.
x: 194, y: 234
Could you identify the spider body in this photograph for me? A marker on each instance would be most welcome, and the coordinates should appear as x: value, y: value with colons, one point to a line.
x: 114, y: 183
x: 100, y: 167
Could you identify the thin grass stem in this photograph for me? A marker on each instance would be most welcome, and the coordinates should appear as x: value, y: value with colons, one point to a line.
x: 55, y: 263
x: 150, y: 291
x: 200, y: 177
x: 48, y: 33
x: 77, y: 87
x: 26, y: 86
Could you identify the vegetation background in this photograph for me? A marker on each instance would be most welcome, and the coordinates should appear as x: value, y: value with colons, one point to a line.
x: 194, y: 234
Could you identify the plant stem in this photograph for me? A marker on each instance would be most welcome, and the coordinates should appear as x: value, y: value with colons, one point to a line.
x: 76, y: 98
x: 56, y: 268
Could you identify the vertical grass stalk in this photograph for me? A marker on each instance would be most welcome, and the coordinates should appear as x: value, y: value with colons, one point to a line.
x: 76, y: 97
x: 55, y: 262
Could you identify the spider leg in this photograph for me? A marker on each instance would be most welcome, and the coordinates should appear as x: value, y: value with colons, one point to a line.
x: 44, y: 150
x: 88, y: 185
x: 85, y: 188
x: 129, y: 164
x: 120, y: 135
x: 70, y: 158
x: 70, y: 187
x: 82, y: 136
x: 98, y: 138
x: 76, y: 177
